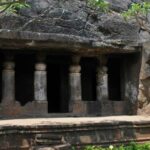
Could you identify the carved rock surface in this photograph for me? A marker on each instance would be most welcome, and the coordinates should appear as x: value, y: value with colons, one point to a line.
x: 72, y: 17
x: 144, y: 87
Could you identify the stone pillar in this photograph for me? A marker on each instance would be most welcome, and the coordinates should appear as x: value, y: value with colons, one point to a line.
x: 75, y: 80
x: 40, y: 82
x: 75, y: 85
x: 102, y: 80
x: 8, y: 82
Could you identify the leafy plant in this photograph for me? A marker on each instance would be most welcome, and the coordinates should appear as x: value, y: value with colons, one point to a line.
x: 12, y: 6
x: 102, y: 5
x: 131, y: 146
x: 17, y: 6
x: 137, y: 10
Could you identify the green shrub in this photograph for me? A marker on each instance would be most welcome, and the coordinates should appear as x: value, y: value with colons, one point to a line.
x: 137, y: 10
x: 132, y: 146
x: 12, y: 6
x: 102, y: 5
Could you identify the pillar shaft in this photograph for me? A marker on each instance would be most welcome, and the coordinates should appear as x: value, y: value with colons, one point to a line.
x: 40, y: 82
x: 8, y: 82
x: 75, y: 83
x: 102, y: 84
x: 102, y: 79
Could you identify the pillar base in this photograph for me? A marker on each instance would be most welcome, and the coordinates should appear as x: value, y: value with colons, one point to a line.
x: 6, y: 102
x: 85, y: 107
x: 36, y: 108
x: 113, y: 108
x: 11, y: 108
x: 14, y: 109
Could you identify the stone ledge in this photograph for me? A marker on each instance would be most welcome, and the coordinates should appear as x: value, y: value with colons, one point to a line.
x: 23, y: 133
x: 75, y: 120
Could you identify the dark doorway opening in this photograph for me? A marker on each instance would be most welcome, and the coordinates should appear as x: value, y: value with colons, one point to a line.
x: 114, y: 78
x: 1, y: 68
x: 24, y: 78
x: 58, y: 85
x: 88, y: 79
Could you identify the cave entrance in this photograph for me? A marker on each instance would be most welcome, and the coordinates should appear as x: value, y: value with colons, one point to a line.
x: 1, y: 68
x: 88, y: 79
x: 24, y: 76
x: 57, y: 84
x: 114, y: 78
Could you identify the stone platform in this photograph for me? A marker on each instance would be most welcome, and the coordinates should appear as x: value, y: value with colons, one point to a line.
x: 41, y: 133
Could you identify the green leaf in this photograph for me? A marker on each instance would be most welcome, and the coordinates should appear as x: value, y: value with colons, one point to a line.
x: 102, y: 5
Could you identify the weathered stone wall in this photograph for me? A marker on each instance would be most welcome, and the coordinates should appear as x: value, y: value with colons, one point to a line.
x: 144, y: 87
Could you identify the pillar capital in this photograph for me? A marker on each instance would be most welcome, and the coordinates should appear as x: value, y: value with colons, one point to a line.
x: 8, y: 65
x: 9, y: 57
x: 102, y: 60
x: 102, y: 70
x: 41, y: 57
x: 76, y: 60
x: 75, y: 69
x: 39, y: 66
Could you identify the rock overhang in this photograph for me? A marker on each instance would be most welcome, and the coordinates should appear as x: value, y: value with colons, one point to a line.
x: 70, y: 25
x: 36, y: 40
